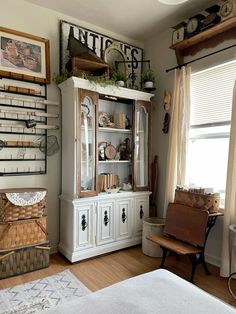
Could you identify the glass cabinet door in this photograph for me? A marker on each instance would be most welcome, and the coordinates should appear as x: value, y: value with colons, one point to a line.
x: 142, y: 150
x: 87, y: 143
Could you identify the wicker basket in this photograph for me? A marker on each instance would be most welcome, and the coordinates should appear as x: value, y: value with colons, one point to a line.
x: 11, y: 210
x: 198, y: 200
x: 22, y: 232
x: 20, y: 261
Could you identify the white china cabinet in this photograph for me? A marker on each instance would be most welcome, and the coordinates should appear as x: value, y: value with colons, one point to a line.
x: 105, y: 167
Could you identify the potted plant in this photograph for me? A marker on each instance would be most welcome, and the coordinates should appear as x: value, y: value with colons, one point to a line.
x: 148, y: 79
x: 119, y: 77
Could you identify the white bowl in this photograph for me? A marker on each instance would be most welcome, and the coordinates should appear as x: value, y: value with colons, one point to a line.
x: 113, y: 190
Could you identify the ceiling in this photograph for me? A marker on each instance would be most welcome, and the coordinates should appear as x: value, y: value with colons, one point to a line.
x: 136, y: 19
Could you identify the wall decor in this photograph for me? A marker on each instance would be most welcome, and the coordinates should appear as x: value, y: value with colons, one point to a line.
x: 178, y: 33
x: 167, y: 104
x: 24, y: 56
x: 26, y: 138
x: 99, y: 43
x: 212, y: 18
x: 227, y: 9
x: 194, y: 25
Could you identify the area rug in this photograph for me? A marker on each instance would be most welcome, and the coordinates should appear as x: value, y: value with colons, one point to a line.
x: 38, y: 295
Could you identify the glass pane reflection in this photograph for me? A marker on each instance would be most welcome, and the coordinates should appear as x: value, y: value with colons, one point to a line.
x: 87, y: 179
x: 141, y: 148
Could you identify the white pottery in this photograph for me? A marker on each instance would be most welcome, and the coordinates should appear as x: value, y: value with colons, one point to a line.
x: 127, y: 187
x: 148, y: 84
x: 121, y: 83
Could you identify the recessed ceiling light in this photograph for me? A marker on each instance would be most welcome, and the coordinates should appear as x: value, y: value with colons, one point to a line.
x: 172, y: 2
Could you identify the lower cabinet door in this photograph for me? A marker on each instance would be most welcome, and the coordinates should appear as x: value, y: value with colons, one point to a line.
x: 124, y: 219
x: 141, y: 209
x: 84, y: 226
x: 105, y: 222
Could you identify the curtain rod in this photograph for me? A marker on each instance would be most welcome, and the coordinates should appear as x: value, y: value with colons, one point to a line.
x: 194, y: 60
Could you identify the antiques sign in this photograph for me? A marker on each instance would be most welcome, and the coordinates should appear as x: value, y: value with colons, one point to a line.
x: 98, y: 43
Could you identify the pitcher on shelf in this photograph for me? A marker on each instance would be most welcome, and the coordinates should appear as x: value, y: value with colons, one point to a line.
x: 125, y: 150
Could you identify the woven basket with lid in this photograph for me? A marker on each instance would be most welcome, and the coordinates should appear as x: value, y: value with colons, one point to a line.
x: 22, y: 203
x: 20, y: 233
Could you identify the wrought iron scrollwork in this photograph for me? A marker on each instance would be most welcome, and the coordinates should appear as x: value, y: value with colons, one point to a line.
x: 84, y: 223
x: 123, y: 216
x: 106, y: 219
x: 141, y: 212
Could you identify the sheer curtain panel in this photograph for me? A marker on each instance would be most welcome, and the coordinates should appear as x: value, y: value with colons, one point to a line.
x: 227, y: 265
x: 179, y: 128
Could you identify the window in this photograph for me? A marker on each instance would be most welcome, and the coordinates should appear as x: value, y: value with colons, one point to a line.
x: 211, y: 104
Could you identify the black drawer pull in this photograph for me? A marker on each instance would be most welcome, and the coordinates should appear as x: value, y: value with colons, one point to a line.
x: 106, y: 219
x: 141, y: 212
x: 84, y: 223
x: 123, y: 216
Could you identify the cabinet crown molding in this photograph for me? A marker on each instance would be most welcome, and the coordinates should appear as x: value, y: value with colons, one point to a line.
x: 110, y: 90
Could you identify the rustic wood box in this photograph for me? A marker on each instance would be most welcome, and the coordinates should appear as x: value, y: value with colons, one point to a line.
x: 23, y: 232
x: 198, y: 200
x: 23, y: 260
x: 22, y: 203
x: 87, y: 65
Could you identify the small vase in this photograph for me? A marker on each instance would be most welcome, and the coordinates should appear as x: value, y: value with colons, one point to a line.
x: 121, y: 83
x: 148, y: 84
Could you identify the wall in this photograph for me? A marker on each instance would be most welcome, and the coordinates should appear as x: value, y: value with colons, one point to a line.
x: 162, y: 58
x: 28, y: 18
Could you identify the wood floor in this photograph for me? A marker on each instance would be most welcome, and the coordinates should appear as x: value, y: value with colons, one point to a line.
x: 106, y: 270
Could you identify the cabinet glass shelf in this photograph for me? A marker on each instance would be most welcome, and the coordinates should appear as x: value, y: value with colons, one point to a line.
x: 114, y: 161
x: 114, y: 130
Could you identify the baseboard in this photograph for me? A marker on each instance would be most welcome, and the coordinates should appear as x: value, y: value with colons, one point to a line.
x: 53, y: 248
x: 209, y: 258
x: 214, y: 260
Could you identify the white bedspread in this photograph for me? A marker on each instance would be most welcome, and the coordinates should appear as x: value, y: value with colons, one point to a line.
x: 159, y: 292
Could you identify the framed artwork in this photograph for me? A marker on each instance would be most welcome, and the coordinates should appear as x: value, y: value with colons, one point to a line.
x: 24, y: 56
x: 99, y: 44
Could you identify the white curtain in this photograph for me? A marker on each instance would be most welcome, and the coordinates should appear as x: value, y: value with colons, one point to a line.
x: 228, y: 262
x: 179, y: 128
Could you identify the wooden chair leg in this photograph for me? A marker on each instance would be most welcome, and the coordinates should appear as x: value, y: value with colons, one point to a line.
x: 163, y: 256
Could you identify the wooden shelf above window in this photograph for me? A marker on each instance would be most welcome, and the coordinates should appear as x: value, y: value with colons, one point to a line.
x: 206, y: 39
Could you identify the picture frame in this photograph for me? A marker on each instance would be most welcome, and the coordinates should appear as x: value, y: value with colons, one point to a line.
x: 99, y: 44
x: 24, y: 57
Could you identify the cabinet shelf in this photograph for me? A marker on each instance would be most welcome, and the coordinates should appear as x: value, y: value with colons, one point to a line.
x: 205, y: 39
x: 21, y: 173
x: 114, y: 130
x: 114, y: 161
x: 25, y: 159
